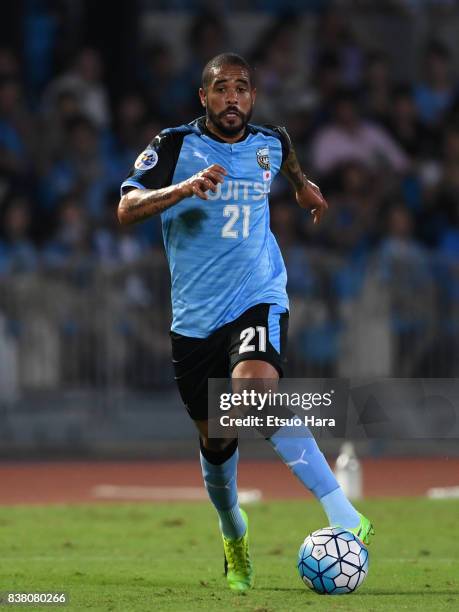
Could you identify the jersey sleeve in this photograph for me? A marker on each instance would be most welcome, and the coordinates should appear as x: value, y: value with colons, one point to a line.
x: 154, y: 167
x: 284, y: 138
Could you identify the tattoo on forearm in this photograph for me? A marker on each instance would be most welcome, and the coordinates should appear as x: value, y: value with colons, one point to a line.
x: 153, y: 202
x: 292, y: 170
x: 149, y: 205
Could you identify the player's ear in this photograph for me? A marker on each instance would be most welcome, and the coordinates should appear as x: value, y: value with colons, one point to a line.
x: 254, y: 94
x: 203, y: 96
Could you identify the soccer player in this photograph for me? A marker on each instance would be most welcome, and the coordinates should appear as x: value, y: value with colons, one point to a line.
x: 209, y: 180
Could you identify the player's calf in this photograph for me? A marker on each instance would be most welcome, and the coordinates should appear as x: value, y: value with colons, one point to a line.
x: 219, y: 470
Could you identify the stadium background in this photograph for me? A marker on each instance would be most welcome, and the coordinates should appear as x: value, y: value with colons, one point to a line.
x: 85, y: 367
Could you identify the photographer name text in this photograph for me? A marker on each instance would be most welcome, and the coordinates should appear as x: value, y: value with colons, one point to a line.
x: 275, y: 421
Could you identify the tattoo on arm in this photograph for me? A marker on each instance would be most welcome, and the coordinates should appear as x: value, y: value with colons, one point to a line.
x: 292, y: 171
x: 155, y: 202
x: 140, y: 207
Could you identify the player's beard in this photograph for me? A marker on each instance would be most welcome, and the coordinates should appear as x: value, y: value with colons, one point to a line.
x: 229, y: 130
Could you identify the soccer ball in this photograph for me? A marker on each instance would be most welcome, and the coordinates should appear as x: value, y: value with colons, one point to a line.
x: 333, y: 561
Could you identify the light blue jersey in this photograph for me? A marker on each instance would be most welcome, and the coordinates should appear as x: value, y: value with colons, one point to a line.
x: 222, y: 255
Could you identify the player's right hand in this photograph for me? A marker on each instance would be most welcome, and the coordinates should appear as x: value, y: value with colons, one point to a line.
x: 202, y: 181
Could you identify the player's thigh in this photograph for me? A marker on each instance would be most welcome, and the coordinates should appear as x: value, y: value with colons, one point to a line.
x: 259, y: 336
x: 195, y: 360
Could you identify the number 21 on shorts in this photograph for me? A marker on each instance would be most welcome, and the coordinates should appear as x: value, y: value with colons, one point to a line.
x: 248, y: 334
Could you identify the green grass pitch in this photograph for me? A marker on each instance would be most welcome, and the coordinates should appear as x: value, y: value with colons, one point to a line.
x: 169, y: 557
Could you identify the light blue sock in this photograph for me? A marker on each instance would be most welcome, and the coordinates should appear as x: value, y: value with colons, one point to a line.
x: 339, y: 509
x: 304, y: 458
x: 221, y: 485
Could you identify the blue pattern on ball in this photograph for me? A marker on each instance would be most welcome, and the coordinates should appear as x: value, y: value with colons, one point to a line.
x: 334, y: 561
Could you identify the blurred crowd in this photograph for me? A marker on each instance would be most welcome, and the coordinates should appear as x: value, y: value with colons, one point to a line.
x: 385, y: 152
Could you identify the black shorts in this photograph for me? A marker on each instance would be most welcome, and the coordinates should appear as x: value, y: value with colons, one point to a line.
x: 259, y: 333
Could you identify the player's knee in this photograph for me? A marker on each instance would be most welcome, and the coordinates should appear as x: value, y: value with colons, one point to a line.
x: 254, y: 376
x: 218, y: 445
x: 254, y: 368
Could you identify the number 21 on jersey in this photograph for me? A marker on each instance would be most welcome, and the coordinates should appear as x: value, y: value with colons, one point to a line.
x: 233, y: 211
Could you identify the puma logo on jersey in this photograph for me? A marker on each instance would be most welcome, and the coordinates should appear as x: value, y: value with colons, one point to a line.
x: 201, y: 156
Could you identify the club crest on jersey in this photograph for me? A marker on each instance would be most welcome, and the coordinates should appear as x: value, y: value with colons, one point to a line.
x: 263, y: 158
x: 146, y: 160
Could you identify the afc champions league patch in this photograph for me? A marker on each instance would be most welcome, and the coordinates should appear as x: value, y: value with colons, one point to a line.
x: 263, y: 158
x: 146, y: 160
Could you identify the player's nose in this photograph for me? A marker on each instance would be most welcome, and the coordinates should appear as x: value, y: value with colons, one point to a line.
x: 232, y: 98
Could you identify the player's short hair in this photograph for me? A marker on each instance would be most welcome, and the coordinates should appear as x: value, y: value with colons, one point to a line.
x: 224, y: 59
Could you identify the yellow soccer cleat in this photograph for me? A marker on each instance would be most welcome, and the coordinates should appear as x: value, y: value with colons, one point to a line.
x: 364, y: 530
x: 238, y: 566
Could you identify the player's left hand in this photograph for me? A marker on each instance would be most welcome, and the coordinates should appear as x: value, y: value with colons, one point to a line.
x: 311, y: 197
